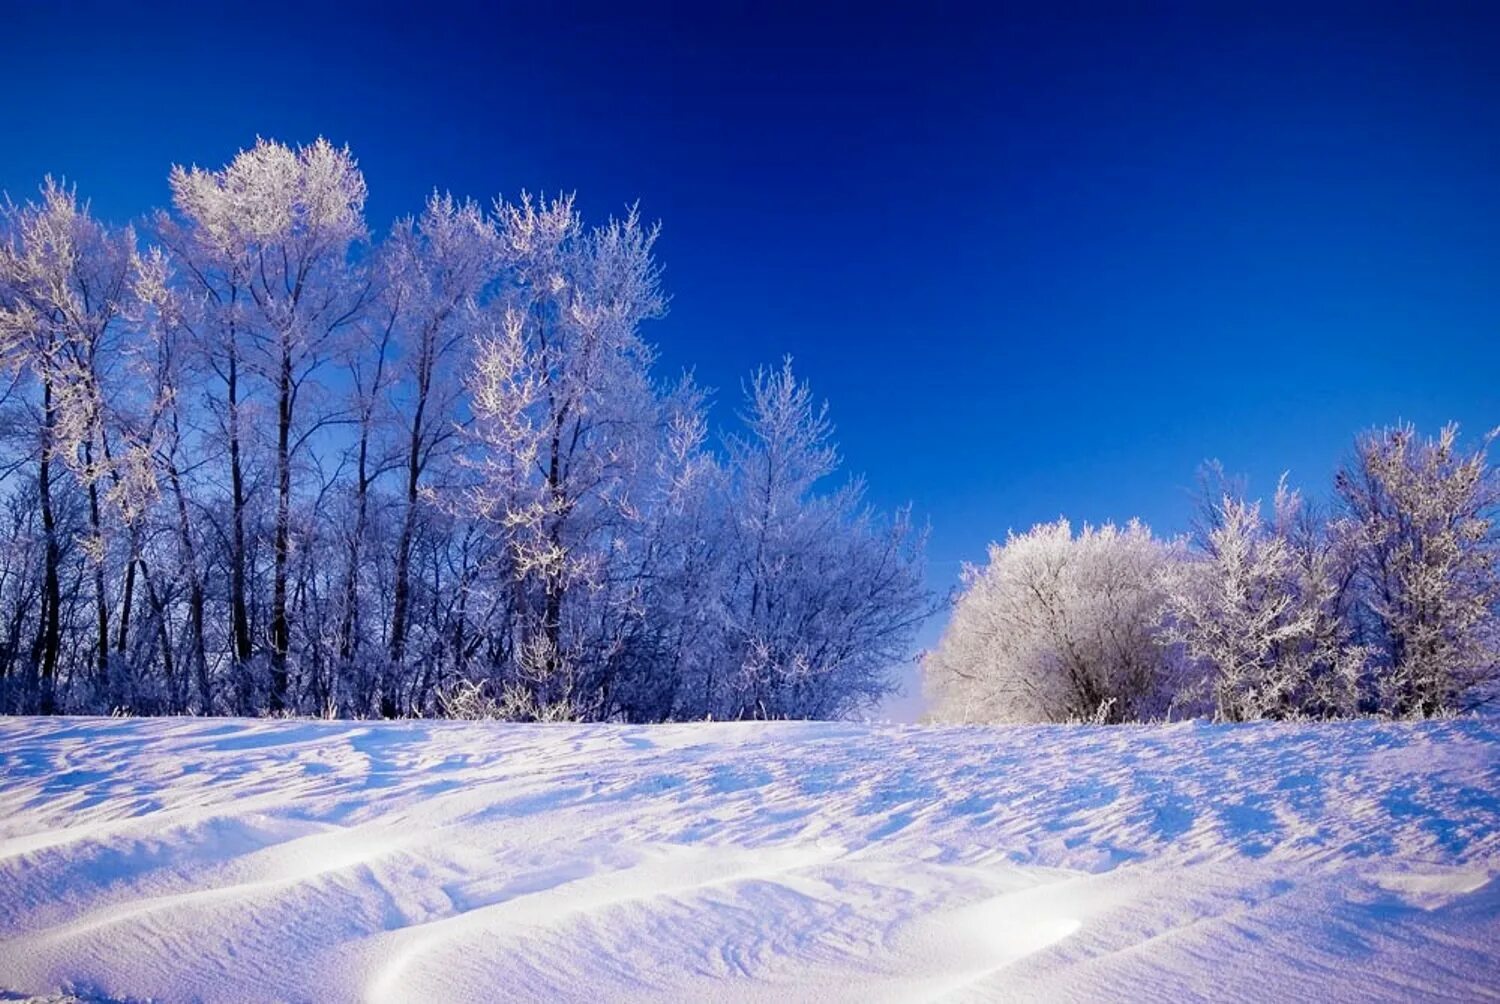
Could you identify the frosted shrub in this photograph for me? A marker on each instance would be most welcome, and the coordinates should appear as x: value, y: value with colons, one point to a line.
x: 1057, y: 627
x: 1423, y: 516
x: 1259, y: 613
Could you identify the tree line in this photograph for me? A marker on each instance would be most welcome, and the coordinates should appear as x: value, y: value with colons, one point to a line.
x: 257, y: 461
x: 1387, y: 604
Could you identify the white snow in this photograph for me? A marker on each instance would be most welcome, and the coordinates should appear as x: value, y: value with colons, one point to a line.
x: 224, y: 860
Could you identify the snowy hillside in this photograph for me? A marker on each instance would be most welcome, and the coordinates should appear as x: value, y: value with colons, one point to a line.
x: 255, y: 860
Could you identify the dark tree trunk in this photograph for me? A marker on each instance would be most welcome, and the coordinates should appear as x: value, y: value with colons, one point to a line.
x: 239, y: 608
x: 402, y: 597
x: 164, y: 641
x: 552, y: 614
x: 127, y: 593
x: 101, y: 597
x: 281, y: 547
x: 349, y: 626
x: 49, y: 638
x: 196, y: 651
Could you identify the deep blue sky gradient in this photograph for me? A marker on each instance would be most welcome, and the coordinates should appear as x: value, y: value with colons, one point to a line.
x: 1039, y: 264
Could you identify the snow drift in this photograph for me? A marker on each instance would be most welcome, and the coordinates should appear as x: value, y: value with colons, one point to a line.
x: 224, y: 860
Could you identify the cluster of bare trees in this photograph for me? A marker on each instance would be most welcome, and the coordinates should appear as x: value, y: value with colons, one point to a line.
x: 255, y: 461
x: 1389, y: 605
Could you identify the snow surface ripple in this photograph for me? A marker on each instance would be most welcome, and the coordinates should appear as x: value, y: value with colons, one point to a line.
x: 225, y: 860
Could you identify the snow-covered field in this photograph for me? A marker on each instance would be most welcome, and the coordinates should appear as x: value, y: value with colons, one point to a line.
x: 232, y: 860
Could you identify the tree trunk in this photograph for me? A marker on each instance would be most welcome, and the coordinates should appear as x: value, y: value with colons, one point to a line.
x: 195, y: 595
x: 402, y: 597
x: 49, y: 638
x: 552, y: 616
x: 127, y: 593
x: 164, y: 640
x: 239, y: 611
x: 101, y: 597
x: 349, y: 624
x: 281, y: 547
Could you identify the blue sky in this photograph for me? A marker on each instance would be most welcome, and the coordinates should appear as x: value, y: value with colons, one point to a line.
x: 1039, y: 264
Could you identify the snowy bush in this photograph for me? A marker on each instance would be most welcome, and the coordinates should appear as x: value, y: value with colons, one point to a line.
x: 1260, y: 613
x: 1390, y: 607
x: 471, y: 700
x: 1057, y: 627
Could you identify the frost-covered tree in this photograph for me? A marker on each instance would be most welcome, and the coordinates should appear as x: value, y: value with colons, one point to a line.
x: 1057, y: 627
x: 1259, y: 612
x: 269, y: 237
x: 1424, y: 527
x: 677, y: 578
x: 65, y: 285
x: 564, y: 419
x: 174, y: 576
x: 435, y: 270
x: 823, y: 597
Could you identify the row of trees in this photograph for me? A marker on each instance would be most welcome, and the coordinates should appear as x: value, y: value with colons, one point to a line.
x: 257, y: 462
x: 1388, y: 605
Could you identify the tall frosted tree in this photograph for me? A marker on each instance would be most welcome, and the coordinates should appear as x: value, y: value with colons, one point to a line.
x: 65, y: 285
x: 163, y: 453
x: 435, y: 272
x: 269, y: 238
x: 823, y: 596
x: 564, y: 415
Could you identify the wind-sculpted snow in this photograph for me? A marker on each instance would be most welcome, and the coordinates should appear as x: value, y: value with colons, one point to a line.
x: 221, y: 860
